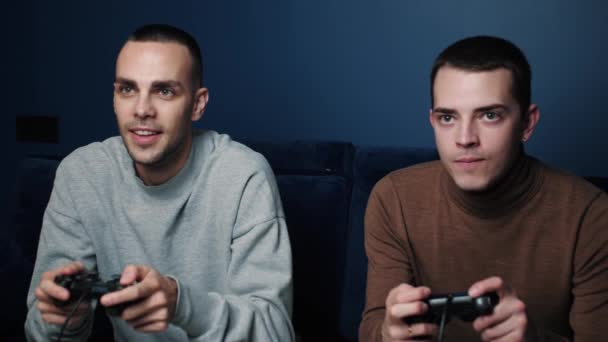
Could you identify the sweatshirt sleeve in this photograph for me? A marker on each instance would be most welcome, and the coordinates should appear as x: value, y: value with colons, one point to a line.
x: 62, y: 240
x: 256, y: 305
x: 388, y: 261
x: 590, y: 282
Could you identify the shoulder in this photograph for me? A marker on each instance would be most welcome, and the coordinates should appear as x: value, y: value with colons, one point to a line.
x: 567, y: 186
x: 412, y: 178
x: 94, y: 158
x: 407, y: 185
x: 231, y: 158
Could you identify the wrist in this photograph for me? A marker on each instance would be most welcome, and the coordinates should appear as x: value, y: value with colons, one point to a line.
x: 172, y: 295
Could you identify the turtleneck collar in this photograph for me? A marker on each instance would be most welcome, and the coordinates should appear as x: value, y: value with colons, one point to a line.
x: 510, y: 193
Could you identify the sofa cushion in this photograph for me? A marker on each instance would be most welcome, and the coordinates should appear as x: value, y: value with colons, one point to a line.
x: 316, y: 209
x: 370, y: 165
x: 315, y: 183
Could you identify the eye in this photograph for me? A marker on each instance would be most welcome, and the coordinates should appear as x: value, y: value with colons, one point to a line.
x: 166, y: 92
x: 446, y: 118
x: 491, y: 116
x: 125, y: 89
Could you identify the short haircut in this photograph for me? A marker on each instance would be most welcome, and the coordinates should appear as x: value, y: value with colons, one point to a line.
x: 169, y: 34
x: 487, y: 53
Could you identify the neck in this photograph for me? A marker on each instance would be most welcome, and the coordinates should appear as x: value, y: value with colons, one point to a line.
x: 508, y: 194
x: 165, y: 169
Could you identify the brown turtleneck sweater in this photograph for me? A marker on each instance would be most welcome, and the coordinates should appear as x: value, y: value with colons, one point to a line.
x: 543, y: 231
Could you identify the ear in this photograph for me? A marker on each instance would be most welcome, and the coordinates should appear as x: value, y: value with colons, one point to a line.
x: 530, y: 121
x: 201, y: 97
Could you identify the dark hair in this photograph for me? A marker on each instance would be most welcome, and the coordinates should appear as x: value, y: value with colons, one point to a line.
x: 486, y: 53
x: 166, y: 34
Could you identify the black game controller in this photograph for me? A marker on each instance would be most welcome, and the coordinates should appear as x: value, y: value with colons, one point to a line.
x: 459, y: 304
x: 89, y: 285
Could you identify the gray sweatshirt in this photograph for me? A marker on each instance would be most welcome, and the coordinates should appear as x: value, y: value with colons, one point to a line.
x: 217, y: 227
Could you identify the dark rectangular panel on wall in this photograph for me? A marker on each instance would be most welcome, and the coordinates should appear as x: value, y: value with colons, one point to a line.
x: 37, y: 128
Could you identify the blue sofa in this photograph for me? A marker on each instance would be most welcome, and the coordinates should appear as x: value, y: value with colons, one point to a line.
x: 324, y: 187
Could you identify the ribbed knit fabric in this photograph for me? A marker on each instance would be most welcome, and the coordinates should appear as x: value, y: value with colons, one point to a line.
x: 543, y: 231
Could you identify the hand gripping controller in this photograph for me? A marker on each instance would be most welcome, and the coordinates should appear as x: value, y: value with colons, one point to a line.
x: 458, y: 304
x: 89, y: 285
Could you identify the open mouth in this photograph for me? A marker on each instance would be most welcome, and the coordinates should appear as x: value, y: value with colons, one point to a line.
x: 144, y: 136
x: 144, y: 132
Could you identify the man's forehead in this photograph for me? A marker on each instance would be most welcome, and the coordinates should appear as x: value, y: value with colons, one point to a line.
x: 139, y: 47
x: 454, y: 86
x: 151, y: 61
x: 449, y: 72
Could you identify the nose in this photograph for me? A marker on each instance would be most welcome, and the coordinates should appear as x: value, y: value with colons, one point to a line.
x: 144, y: 107
x: 467, y: 136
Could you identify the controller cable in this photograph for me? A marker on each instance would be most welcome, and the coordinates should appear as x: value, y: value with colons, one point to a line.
x: 70, y: 316
x: 444, y: 316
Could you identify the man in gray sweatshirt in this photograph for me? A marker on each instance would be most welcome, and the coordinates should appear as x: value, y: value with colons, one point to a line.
x: 190, y: 220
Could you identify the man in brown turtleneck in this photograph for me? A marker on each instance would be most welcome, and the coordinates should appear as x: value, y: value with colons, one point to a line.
x: 486, y: 217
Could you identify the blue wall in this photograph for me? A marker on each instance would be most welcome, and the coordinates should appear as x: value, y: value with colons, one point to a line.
x: 327, y: 69
x: 16, y: 86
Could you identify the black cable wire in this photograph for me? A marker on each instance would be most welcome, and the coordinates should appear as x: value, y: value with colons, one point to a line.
x: 70, y: 316
x: 444, y: 316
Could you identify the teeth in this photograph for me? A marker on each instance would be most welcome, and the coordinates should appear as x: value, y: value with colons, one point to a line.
x: 138, y: 132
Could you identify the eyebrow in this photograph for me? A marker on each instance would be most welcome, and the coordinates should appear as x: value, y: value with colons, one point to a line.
x: 487, y: 108
x: 155, y: 84
x: 167, y: 84
x: 126, y: 81
x: 491, y: 108
x: 443, y: 110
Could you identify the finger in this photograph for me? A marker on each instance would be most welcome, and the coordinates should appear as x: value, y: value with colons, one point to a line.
x: 406, y: 293
x: 514, y: 335
x: 424, y: 330
x: 72, y: 268
x: 48, y: 285
x: 412, y: 294
x: 139, y: 291
x: 50, y: 290
x: 398, y: 312
x: 515, y: 324
x: 412, y: 332
x: 152, y: 327
x: 50, y: 306
x: 159, y: 315
x: 492, y: 284
x: 128, y: 294
x: 41, y: 295
x: 156, y: 301
x: 390, y: 299
x: 68, y: 269
x: 505, y: 309
x: 45, y: 304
